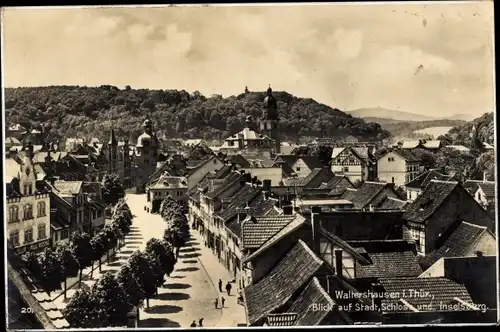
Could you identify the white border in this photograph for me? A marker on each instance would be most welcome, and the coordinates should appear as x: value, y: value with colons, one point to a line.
x: 497, y: 228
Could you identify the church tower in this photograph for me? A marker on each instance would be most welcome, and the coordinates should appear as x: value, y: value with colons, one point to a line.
x: 147, y: 148
x: 112, y: 152
x: 269, y: 122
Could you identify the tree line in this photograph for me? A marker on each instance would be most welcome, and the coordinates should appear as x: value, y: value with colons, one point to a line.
x: 113, y: 297
x: 91, y: 111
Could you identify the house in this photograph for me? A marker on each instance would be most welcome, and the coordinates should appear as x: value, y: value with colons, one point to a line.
x: 354, y: 162
x: 437, y: 208
x: 238, y: 160
x: 326, y: 204
x: 286, y: 161
x: 398, y: 166
x: 462, y: 239
x: 68, y: 199
x: 196, y: 175
x: 28, y: 205
x: 249, y: 140
x: 476, y: 273
x: 274, y: 174
x: 173, y: 186
x: 369, y: 195
x: 485, y: 194
x: 429, y: 145
x: 304, y: 165
x: 391, y: 203
x: 337, y: 185
x: 418, y: 184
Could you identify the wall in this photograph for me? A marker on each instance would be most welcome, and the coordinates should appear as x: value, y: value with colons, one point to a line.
x: 412, y: 193
x: 327, y: 249
x: 212, y: 165
x: 486, y: 244
x: 275, y: 174
x: 459, y: 205
x: 386, y: 170
x: 301, y: 168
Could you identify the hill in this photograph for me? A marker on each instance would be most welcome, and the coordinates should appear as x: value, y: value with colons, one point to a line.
x: 379, y: 112
x: 414, y: 130
x: 92, y: 111
x: 485, y: 131
x: 463, y: 117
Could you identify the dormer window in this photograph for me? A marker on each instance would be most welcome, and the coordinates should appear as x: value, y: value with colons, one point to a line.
x: 28, y: 171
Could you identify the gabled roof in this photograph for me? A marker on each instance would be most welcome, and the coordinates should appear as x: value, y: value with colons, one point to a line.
x: 365, y: 194
x: 389, y: 264
x: 440, y: 290
x: 312, y: 161
x: 171, y: 182
x: 258, y: 208
x: 488, y: 189
x: 288, y: 159
x: 424, y: 206
x: 336, y: 152
x: 228, y: 181
x: 403, y: 153
x: 11, y: 170
x: 334, y: 182
x: 392, y: 204
x: 349, y: 194
x: 240, y: 199
x: 456, y: 241
x: 279, y: 285
x: 284, y: 319
x: 67, y: 187
x: 238, y: 159
x: 257, y: 230
x: 423, y: 179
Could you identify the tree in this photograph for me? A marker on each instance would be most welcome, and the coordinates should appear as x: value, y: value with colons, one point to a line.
x: 461, y: 164
x: 85, y: 311
x: 163, y: 252
x: 50, y: 271
x: 170, y: 260
x: 82, y: 251
x: 69, y: 264
x: 157, y: 269
x: 112, y: 189
x: 133, y: 291
x: 112, y: 299
x: 98, y: 244
x: 139, y: 265
x: 428, y: 159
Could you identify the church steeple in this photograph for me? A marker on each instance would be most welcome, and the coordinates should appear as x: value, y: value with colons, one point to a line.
x: 112, y: 138
x: 269, y: 122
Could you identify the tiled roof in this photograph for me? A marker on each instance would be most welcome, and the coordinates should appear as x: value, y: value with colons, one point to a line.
x: 392, y: 204
x: 429, y: 200
x: 11, y: 170
x: 91, y: 187
x: 223, y: 172
x: 365, y: 194
x: 171, y: 182
x: 349, y: 194
x: 488, y: 189
x: 440, y: 291
x: 471, y: 185
x: 67, y: 187
x: 403, y: 153
x: 423, y: 179
x: 288, y: 159
x: 333, y: 182
x: 258, y: 208
x: 456, y: 241
x: 238, y: 159
x: 257, y: 230
x: 294, y: 182
x: 336, y: 152
x: 279, y: 285
x: 312, y: 161
x: 389, y: 264
x: 284, y: 319
x: 229, y: 180
x: 238, y: 200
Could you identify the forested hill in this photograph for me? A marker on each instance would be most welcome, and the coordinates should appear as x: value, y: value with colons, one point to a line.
x: 485, y: 131
x: 91, y: 111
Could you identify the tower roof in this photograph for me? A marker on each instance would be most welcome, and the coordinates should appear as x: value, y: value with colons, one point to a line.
x: 269, y: 100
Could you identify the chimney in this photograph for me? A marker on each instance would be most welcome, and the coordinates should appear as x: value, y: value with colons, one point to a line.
x: 377, y: 290
x: 316, y: 226
x: 30, y: 151
x: 338, y: 263
x: 266, y: 185
x: 484, y: 176
x: 371, y: 208
x: 478, y: 253
x: 288, y: 210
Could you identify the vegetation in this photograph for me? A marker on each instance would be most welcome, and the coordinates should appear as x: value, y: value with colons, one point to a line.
x: 407, y: 129
x: 177, y: 231
x: 91, y: 111
x: 112, y: 299
x: 112, y: 189
x: 85, y: 311
x: 484, y: 131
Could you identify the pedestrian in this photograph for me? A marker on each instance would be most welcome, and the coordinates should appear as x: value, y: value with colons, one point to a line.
x: 228, y: 288
x: 223, y: 301
x: 193, y: 324
x: 200, y: 322
x: 220, y: 285
x: 216, y: 303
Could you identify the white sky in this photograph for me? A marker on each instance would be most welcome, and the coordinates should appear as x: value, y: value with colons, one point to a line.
x: 346, y: 56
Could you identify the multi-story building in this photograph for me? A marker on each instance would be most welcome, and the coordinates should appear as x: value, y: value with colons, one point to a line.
x: 28, y: 204
x: 398, y: 166
x: 173, y: 186
x: 355, y: 163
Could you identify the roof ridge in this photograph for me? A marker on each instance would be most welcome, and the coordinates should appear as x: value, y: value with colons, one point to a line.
x: 443, y: 181
x: 309, y: 250
x: 474, y: 225
x: 316, y: 283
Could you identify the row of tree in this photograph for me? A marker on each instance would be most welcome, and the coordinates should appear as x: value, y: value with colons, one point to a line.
x: 113, y: 297
x: 177, y: 231
x: 51, y: 268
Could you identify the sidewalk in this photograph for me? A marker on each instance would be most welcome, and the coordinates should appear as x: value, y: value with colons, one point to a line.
x: 232, y: 313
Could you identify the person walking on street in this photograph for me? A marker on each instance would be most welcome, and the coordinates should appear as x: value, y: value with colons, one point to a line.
x: 200, y: 322
x: 216, y: 303
x: 223, y: 301
x: 220, y: 285
x: 228, y: 288
x: 193, y: 324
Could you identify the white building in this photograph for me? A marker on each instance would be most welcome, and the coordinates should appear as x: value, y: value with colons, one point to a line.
x: 28, y: 205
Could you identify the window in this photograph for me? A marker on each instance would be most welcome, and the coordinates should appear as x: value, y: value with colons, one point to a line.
x: 14, y: 238
x: 346, y: 169
x: 13, y: 214
x: 30, y: 189
x: 230, y: 143
x: 41, y: 209
x: 28, y: 212
x: 25, y: 190
x: 64, y: 234
x: 41, y: 232
x: 393, y: 179
x: 28, y: 235
x: 297, y: 168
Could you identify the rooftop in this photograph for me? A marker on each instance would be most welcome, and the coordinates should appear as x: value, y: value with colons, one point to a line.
x: 425, y: 178
x: 389, y: 264
x: 257, y: 230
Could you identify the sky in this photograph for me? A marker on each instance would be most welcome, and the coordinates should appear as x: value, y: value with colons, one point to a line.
x: 425, y: 58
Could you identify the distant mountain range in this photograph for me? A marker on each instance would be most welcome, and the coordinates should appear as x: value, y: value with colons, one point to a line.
x: 385, y: 116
